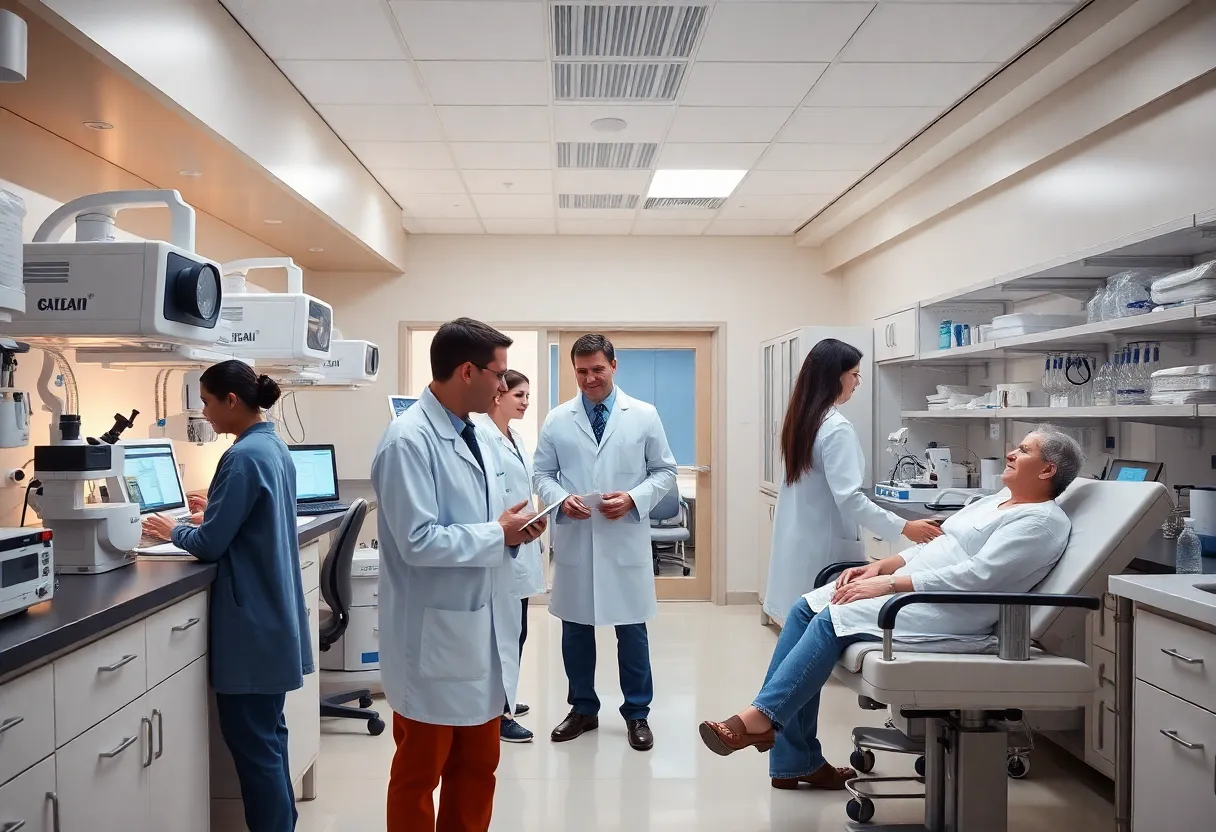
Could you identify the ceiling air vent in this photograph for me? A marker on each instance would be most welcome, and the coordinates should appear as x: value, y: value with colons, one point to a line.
x: 597, y: 201
x: 584, y: 30
x: 605, y: 81
x: 606, y: 155
x: 675, y: 203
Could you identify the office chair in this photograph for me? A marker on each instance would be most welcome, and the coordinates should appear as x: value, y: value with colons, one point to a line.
x: 336, y: 590
x: 676, y: 534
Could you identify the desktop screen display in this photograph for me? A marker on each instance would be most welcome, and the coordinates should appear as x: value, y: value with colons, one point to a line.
x: 399, y: 404
x: 316, y: 477
x: 152, y: 478
x: 1132, y: 475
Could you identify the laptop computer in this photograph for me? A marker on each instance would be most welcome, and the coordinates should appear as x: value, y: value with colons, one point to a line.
x: 316, y: 480
x: 153, y: 480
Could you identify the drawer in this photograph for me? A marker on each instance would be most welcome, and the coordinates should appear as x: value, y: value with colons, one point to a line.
x: 876, y: 547
x: 98, y: 679
x: 1104, y: 668
x: 1103, y: 727
x: 102, y: 775
x: 27, y: 801
x: 176, y: 636
x: 27, y: 722
x: 1104, y: 624
x: 310, y: 568
x: 1173, y: 764
x: 1177, y: 658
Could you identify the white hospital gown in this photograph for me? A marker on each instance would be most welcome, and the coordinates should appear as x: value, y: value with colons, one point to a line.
x: 983, y: 548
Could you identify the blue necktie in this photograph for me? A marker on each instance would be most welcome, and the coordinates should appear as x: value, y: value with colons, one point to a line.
x: 599, y: 421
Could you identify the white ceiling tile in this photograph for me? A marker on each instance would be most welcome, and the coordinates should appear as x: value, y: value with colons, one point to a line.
x: 963, y: 33
x: 512, y: 206
x: 709, y: 156
x: 572, y: 122
x: 856, y: 125
x: 567, y: 181
x: 319, y: 29
x: 401, y: 183
x: 486, y: 82
x: 438, y: 226
x: 788, y: 207
x: 607, y: 227
x: 518, y: 226
x: 793, y: 32
x: 839, y: 157
x: 677, y: 214
x: 502, y: 155
x: 725, y: 84
x: 670, y: 228
x: 509, y: 181
x: 490, y: 124
x: 486, y: 30
x: 896, y: 85
x: 355, y: 82
x: 381, y: 122
x: 438, y: 206
x: 728, y: 124
x: 752, y: 228
x: 402, y: 155
x: 797, y: 182
x: 618, y: 214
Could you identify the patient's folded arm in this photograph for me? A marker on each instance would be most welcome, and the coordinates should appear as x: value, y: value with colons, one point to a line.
x: 833, y: 569
x: 890, y: 610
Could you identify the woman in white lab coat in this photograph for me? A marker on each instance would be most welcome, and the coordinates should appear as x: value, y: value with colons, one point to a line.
x: 820, y: 505
x: 515, y: 460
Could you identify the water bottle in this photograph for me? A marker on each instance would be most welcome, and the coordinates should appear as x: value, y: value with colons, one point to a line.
x: 1104, y: 386
x: 1139, y: 385
x: 1120, y: 377
x: 1187, y: 558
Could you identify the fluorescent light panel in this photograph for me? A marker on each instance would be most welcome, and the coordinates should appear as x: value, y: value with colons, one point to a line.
x: 694, y: 184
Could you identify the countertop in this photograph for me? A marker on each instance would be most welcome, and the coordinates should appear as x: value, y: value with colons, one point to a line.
x: 1182, y: 595
x: 86, y: 606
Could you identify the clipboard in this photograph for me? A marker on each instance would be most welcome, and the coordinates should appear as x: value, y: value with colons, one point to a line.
x: 540, y: 515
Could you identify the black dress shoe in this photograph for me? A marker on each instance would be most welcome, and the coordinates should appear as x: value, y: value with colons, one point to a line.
x: 521, y: 709
x: 640, y: 737
x: 574, y: 726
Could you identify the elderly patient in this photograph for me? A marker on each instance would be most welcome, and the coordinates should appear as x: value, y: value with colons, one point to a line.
x: 1007, y: 542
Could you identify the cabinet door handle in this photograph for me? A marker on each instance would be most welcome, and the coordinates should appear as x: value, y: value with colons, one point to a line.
x: 11, y: 722
x: 1176, y: 655
x: 13, y: 826
x: 307, y: 564
x: 1173, y: 735
x: 126, y: 743
x: 54, y: 798
x: 190, y: 622
x: 1102, y: 680
x: 144, y: 722
x: 893, y: 339
x: 159, y: 716
x: 125, y: 660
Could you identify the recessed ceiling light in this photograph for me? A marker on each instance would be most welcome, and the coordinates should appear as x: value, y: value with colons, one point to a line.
x: 694, y: 184
x: 273, y: 222
x: 193, y: 174
x: 99, y: 125
x: 609, y: 125
x: 316, y: 249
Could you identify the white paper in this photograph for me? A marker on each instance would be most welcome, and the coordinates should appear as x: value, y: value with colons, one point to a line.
x: 592, y: 500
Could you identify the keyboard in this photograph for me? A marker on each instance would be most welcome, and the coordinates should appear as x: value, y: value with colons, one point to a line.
x: 313, y: 509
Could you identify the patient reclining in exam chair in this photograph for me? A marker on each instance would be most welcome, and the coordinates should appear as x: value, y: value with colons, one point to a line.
x: 1008, y: 542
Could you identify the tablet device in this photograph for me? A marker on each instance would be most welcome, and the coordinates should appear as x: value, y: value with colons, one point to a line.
x: 548, y: 510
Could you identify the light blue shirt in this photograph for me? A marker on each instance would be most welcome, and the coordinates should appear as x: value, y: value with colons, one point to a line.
x: 589, y: 405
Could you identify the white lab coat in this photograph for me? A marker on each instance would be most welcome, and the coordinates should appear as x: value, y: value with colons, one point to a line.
x: 818, y: 517
x: 515, y: 479
x: 602, y: 569
x: 983, y: 548
x: 449, y: 630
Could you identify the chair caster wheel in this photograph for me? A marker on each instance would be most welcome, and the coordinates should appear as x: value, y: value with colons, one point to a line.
x: 1018, y: 766
x: 375, y: 727
x: 920, y: 766
x: 687, y: 571
x: 860, y: 809
x: 656, y: 570
x: 365, y: 702
x: 863, y: 761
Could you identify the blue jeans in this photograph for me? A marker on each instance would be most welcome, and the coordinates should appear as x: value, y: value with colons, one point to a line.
x: 255, y: 732
x: 802, y: 663
x: 633, y: 661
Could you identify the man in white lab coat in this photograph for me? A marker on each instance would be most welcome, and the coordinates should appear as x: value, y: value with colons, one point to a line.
x: 449, y: 628
x: 605, y: 458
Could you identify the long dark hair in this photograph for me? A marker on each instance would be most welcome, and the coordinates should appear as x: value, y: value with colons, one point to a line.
x: 817, y: 389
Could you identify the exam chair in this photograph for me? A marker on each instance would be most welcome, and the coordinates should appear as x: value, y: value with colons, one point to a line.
x: 336, y: 591
x: 669, y: 527
x: 966, y: 702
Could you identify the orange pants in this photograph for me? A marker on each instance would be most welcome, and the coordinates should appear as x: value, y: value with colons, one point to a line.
x: 463, y: 758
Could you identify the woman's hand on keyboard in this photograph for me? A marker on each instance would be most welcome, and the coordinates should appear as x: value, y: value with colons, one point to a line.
x: 159, y: 526
x: 197, y: 504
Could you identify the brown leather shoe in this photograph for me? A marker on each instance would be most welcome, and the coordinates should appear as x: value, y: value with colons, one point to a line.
x: 826, y: 777
x: 724, y: 738
x: 574, y: 726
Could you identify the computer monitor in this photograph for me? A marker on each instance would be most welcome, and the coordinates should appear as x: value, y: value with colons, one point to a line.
x: 399, y: 404
x: 152, y: 477
x: 316, y: 473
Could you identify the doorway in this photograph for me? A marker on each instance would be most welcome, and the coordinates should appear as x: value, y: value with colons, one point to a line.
x: 674, y: 371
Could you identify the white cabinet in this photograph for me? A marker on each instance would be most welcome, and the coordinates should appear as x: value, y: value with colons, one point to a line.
x: 764, y: 537
x: 103, y: 774
x: 1174, y: 768
x: 302, y: 709
x: 897, y: 335
x: 29, y: 800
x: 179, y: 774
x: 95, y: 681
x: 27, y: 722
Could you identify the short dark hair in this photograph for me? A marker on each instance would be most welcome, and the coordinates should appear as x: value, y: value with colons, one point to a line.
x: 236, y: 377
x: 590, y: 345
x: 514, y: 378
x: 464, y: 341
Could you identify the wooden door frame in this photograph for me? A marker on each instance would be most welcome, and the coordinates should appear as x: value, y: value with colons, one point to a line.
x: 551, y: 331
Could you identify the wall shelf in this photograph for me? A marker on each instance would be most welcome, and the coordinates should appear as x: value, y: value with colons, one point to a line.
x: 1148, y: 413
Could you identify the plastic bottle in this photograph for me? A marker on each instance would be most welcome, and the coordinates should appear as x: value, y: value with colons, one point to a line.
x: 1138, y: 392
x: 1187, y: 557
x: 1104, y: 386
x: 1120, y: 377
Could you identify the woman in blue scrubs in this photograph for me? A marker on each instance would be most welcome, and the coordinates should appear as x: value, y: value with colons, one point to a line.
x: 260, y: 644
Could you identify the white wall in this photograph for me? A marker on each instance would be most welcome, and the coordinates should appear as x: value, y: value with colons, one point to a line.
x: 756, y: 287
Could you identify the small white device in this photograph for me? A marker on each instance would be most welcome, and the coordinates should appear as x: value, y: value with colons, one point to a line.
x: 350, y: 366
x: 399, y: 404
x: 15, y: 407
x: 25, y: 569
x: 287, y: 330
x: 546, y: 512
x: 188, y: 426
x: 940, y: 470
x: 101, y: 293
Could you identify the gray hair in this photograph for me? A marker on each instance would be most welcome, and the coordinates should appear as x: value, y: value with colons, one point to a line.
x: 1062, y: 451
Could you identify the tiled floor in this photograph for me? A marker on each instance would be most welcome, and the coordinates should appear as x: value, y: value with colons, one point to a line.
x: 708, y: 662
